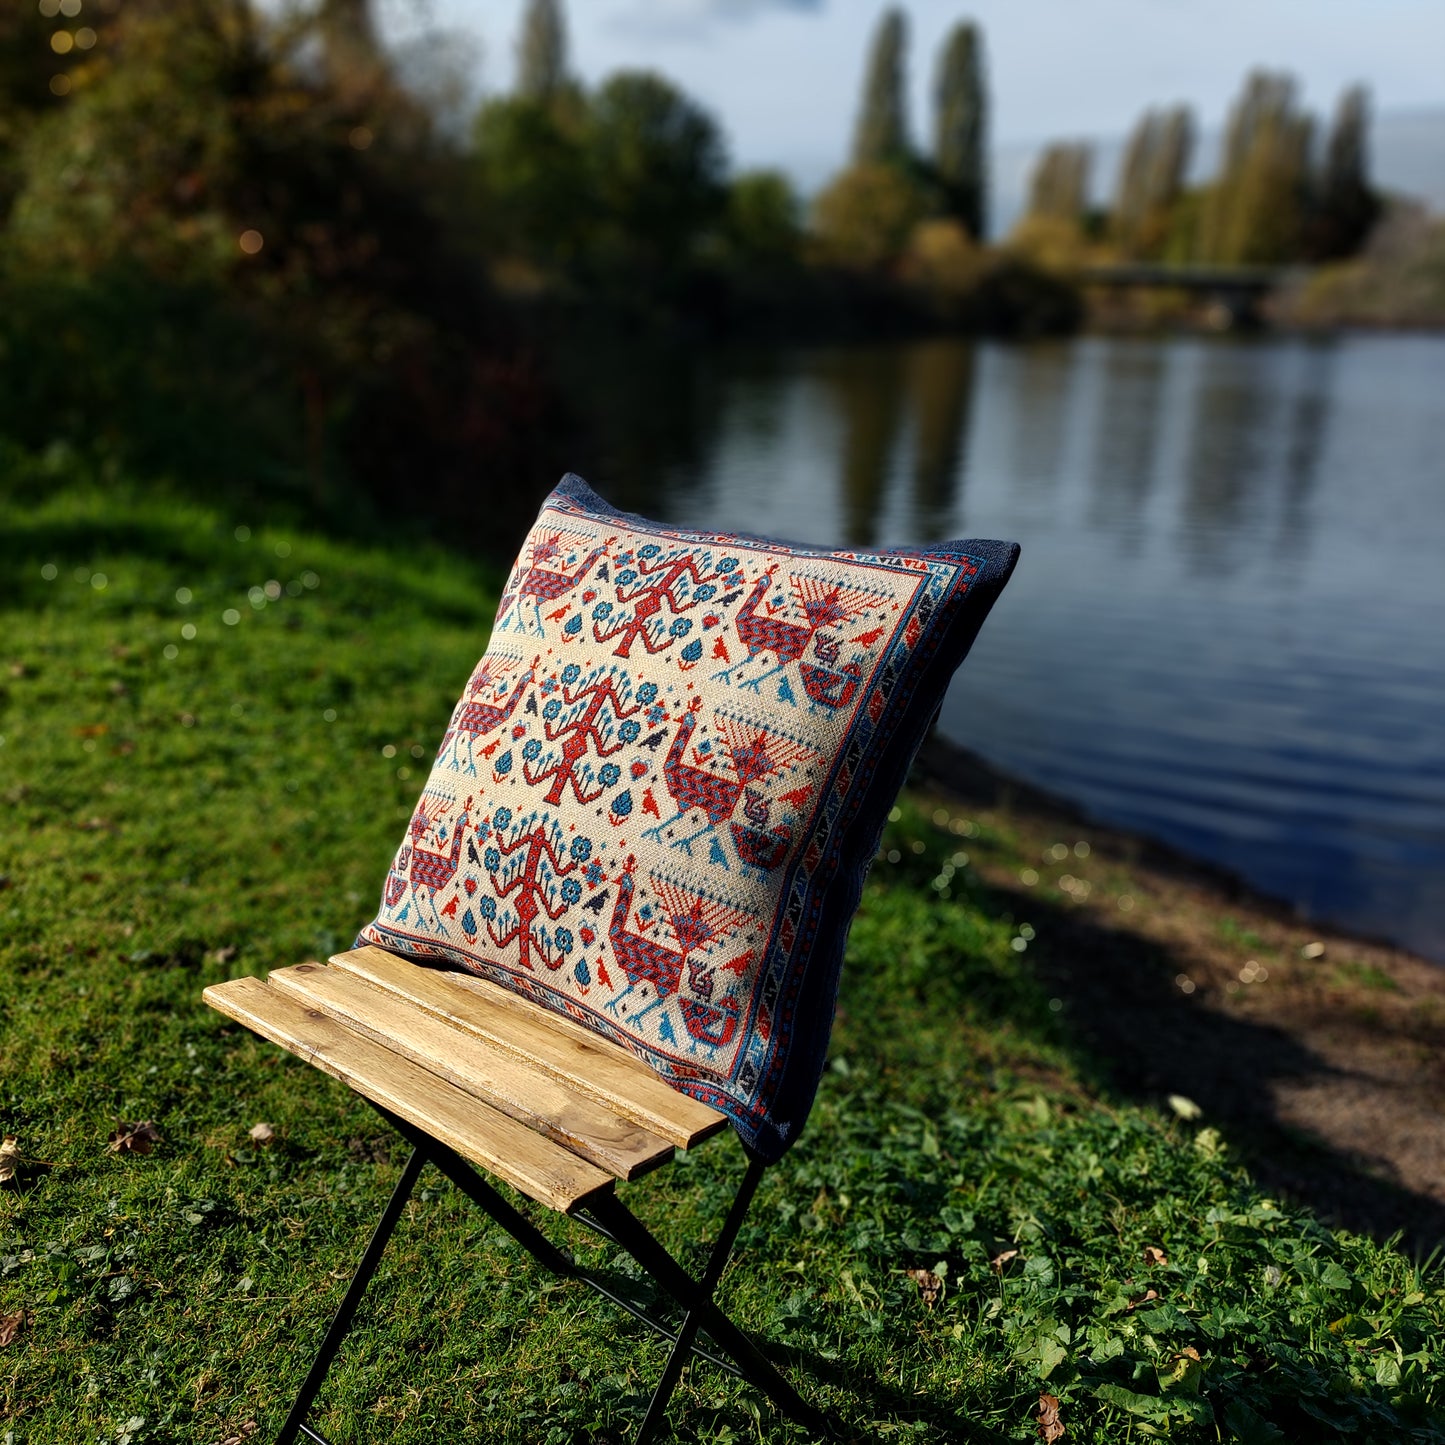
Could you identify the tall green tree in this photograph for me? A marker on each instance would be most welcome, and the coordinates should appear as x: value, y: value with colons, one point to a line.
x: 881, y: 137
x: 542, y: 51
x: 657, y: 166
x: 1348, y: 206
x: 1059, y: 186
x: 961, y: 127
x: 1257, y: 210
x: 1151, y: 179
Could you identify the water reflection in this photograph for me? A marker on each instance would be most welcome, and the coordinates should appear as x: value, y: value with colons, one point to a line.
x: 940, y: 386
x: 1043, y: 389
x: 1285, y: 724
x: 868, y: 391
x: 1128, y: 420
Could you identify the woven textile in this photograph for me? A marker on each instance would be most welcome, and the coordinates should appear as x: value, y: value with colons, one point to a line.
x: 656, y: 800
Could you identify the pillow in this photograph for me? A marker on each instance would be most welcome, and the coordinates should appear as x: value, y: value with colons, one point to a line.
x: 658, y: 797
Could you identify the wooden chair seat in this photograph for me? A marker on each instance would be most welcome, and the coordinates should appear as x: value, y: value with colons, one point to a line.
x: 537, y: 1101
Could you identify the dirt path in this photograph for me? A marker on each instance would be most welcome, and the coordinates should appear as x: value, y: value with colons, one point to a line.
x: 1319, y: 1053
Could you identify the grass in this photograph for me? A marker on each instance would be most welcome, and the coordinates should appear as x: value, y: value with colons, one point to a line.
x: 180, y: 809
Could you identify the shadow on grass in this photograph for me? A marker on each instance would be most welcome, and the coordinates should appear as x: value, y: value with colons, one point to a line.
x: 1135, y: 1033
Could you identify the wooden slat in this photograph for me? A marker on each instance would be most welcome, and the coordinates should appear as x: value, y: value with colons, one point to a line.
x: 541, y: 1169
x: 597, y: 1067
x: 497, y: 1076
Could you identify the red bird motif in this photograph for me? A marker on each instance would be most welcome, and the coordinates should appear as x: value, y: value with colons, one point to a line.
x: 823, y: 604
x: 542, y: 580
x: 751, y: 753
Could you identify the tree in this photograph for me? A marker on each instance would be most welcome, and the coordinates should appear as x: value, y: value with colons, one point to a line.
x: 1151, y: 180
x: 1348, y: 205
x: 961, y: 128
x: 657, y: 167
x: 881, y: 137
x: 864, y: 218
x: 1256, y: 212
x: 353, y: 51
x: 763, y: 225
x: 1059, y: 186
x: 542, y: 51
x: 532, y: 169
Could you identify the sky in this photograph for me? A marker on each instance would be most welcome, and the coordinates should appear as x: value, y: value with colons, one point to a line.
x: 784, y: 76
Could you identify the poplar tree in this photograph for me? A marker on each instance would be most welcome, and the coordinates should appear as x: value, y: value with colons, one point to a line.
x: 1257, y: 210
x: 1348, y: 205
x: 1151, y: 178
x: 542, y: 51
x: 882, y: 134
x: 1059, y: 186
x: 961, y: 127
x: 352, y: 49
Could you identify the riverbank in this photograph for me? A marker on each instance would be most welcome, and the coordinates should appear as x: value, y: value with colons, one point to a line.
x: 1321, y: 1052
x: 213, y: 733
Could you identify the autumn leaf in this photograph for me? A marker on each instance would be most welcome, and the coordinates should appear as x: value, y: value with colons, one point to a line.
x: 999, y: 1260
x: 138, y: 1138
x: 1154, y: 1255
x: 262, y: 1133
x: 1050, y: 1426
x: 242, y: 1434
x: 1147, y: 1297
x: 10, y: 1326
x: 930, y: 1286
x: 10, y: 1160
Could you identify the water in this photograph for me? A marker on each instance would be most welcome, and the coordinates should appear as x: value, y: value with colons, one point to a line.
x: 1227, y: 628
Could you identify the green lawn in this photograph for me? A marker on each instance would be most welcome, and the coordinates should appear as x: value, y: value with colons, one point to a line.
x: 181, y: 808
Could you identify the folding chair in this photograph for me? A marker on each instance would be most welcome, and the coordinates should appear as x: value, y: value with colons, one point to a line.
x: 473, y: 1075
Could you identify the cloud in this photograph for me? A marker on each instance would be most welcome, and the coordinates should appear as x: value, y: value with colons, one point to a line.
x: 691, y: 19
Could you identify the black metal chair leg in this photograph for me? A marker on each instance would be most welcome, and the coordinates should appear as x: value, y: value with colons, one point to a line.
x: 681, y: 1350
x: 341, y: 1321
x: 634, y: 1237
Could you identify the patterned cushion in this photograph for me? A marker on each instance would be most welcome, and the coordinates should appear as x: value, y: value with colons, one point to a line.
x: 659, y: 794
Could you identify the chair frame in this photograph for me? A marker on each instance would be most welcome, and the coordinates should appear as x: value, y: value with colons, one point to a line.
x: 607, y: 1216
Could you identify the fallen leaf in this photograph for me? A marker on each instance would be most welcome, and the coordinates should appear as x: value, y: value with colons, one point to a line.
x: 929, y: 1285
x: 135, y: 1138
x: 1050, y: 1426
x: 1154, y: 1255
x: 10, y: 1158
x: 10, y: 1326
x: 999, y: 1260
x: 262, y: 1133
x: 1144, y: 1299
x: 243, y: 1433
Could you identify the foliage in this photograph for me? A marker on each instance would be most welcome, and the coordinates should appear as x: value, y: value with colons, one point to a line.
x: 881, y: 134
x: 1059, y: 185
x: 763, y: 224
x: 966, y: 1223
x: 263, y: 189
x: 1255, y: 212
x: 1348, y: 208
x: 864, y: 217
x: 1398, y: 280
x: 960, y: 148
x: 1151, y: 181
x: 532, y: 169
x: 657, y: 165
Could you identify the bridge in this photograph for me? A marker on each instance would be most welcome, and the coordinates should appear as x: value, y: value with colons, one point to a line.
x: 1236, y: 290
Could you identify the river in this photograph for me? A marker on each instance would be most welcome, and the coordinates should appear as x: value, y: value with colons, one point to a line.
x: 1227, y: 628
